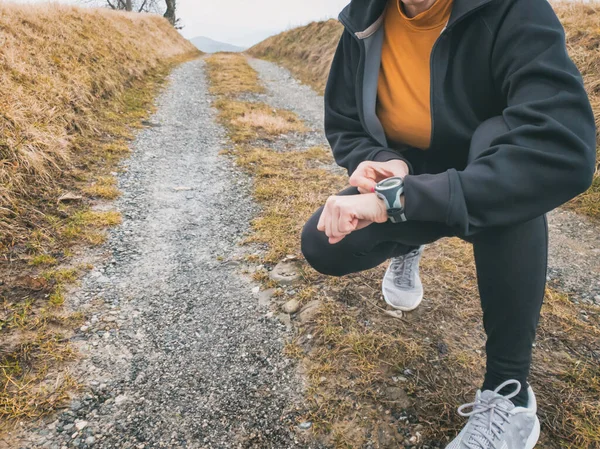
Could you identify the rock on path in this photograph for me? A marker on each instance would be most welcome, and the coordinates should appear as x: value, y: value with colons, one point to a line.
x: 177, y: 353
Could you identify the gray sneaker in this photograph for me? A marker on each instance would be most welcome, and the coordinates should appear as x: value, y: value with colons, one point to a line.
x: 496, y: 423
x: 402, y: 288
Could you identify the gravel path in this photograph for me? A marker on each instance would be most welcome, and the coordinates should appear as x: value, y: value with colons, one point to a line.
x: 574, y: 239
x: 284, y: 91
x: 177, y: 353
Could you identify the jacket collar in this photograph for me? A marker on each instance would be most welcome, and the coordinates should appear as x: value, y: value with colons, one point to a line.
x: 363, y: 17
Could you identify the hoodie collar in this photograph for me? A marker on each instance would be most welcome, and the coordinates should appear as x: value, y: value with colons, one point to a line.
x: 363, y: 17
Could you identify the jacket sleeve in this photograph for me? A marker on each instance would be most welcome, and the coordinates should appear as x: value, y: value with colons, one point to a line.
x: 350, y: 142
x: 547, y: 156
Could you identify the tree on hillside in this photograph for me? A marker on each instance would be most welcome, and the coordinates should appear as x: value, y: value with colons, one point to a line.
x: 170, y: 12
x: 167, y: 8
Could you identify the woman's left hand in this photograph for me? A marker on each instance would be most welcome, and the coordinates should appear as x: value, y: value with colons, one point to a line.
x: 344, y: 214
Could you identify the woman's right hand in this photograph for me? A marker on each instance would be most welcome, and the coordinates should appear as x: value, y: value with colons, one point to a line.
x: 369, y: 173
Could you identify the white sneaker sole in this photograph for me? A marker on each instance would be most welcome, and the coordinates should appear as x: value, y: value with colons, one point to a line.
x: 402, y: 308
x: 534, y: 436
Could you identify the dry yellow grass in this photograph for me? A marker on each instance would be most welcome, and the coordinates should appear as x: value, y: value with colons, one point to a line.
x: 104, y: 187
x: 308, y: 51
x: 582, y: 25
x: 76, y: 60
x: 246, y: 121
x: 73, y: 82
x: 270, y: 122
x: 232, y: 75
x: 371, y: 376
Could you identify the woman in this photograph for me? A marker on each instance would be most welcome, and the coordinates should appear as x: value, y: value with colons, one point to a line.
x: 477, y: 112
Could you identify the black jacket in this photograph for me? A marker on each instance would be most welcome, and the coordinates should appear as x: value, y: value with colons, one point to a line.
x: 495, y: 57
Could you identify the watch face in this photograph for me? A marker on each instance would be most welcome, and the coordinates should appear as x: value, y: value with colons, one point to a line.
x: 389, y: 183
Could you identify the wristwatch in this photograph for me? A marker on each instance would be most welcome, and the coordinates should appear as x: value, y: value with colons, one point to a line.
x: 390, y: 190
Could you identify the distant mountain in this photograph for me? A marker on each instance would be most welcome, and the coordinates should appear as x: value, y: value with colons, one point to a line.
x: 208, y: 45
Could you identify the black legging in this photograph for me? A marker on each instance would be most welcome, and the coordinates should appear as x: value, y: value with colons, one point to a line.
x: 511, y: 271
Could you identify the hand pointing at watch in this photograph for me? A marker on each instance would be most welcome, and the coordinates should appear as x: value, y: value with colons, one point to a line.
x: 344, y: 214
x: 369, y: 173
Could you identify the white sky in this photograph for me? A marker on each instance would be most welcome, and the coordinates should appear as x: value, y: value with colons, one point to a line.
x: 243, y: 22
x: 246, y: 22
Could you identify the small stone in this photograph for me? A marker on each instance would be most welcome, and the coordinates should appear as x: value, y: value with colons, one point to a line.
x: 255, y: 290
x: 597, y: 298
x: 291, y: 306
x: 394, y: 313
x: 76, y: 405
x: 68, y: 427
x: 90, y: 440
x: 120, y: 399
x: 81, y: 425
x: 398, y: 396
x: 285, y: 319
x: 103, y: 279
x: 305, y: 425
x: 309, y: 311
x: 84, y: 328
x: 264, y: 297
x: 52, y: 426
x: 286, y: 272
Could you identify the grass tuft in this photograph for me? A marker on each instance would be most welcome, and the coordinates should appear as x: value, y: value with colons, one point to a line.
x: 231, y: 75
x: 104, y: 187
x: 42, y: 259
x: 249, y: 122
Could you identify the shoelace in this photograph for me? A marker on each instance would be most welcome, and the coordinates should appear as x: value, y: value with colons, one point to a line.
x: 402, y: 268
x: 488, y: 418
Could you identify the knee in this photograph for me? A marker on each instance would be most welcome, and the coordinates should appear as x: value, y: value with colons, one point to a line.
x: 318, y: 252
x: 485, y: 134
x: 519, y: 235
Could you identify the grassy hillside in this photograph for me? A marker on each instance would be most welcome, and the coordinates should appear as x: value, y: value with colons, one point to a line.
x: 58, y: 65
x: 73, y: 82
x: 307, y: 52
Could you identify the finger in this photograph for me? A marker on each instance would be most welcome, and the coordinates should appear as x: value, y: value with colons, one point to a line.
x: 361, y: 190
x: 363, y: 183
x: 328, y: 221
x: 335, y: 222
x: 382, y: 173
x: 321, y: 224
x: 347, y: 224
x: 334, y: 240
